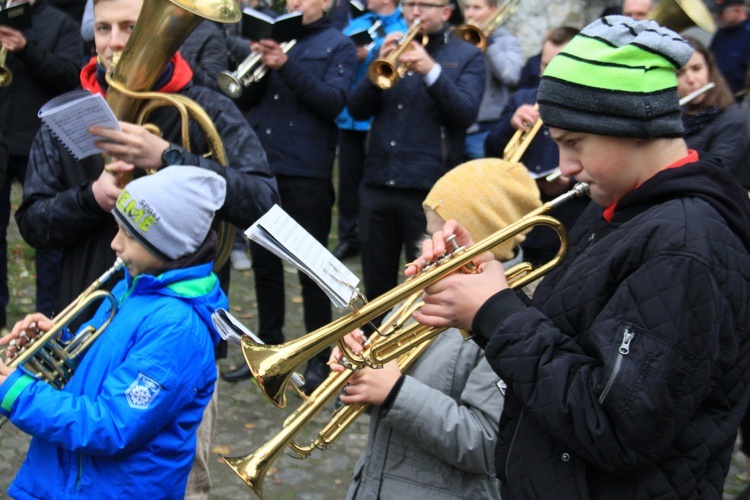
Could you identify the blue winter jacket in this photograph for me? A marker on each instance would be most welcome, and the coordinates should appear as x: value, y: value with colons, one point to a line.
x: 125, y: 424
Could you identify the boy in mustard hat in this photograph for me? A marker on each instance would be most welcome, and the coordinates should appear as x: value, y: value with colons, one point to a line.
x: 433, y: 427
x: 627, y: 373
x: 125, y: 424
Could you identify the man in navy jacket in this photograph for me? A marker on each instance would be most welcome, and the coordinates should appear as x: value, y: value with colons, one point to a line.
x: 294, y: 112
x: 417, y: 135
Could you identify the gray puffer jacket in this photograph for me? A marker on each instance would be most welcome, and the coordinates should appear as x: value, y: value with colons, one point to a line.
x: 437, y: 438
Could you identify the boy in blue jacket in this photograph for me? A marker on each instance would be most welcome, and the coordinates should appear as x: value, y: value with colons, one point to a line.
x: 125, y: 424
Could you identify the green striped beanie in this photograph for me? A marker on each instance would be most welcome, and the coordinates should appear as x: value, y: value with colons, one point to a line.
x: 617, y: 78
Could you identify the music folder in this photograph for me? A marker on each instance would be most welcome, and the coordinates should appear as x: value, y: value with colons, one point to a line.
x: 16, y: 16
x: 256, y: 25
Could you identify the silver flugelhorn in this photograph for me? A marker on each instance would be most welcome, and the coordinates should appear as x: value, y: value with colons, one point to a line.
x: 251, y: 70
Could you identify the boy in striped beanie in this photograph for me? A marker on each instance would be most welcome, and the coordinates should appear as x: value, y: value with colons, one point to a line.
x: 629, y: 371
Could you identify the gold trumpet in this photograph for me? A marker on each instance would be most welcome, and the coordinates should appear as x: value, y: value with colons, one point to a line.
x: 477, y: 35
x: 519, y: 143
x: 6, y: 77
x: 54, y: 360
x: 393, y: 341
x: 385, y: 72
x: 273, y: 366
x: 250, y: 71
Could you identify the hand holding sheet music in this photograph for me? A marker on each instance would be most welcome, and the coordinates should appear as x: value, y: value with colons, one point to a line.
x: 70, y: 115
x: 284, y: 237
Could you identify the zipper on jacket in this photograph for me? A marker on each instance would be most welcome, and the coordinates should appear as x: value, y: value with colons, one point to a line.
x: 512, y: 442
x: 622, y: 351
x: 443, y: 145
x: 80, y: 472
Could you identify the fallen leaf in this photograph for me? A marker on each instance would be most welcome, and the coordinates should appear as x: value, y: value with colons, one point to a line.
x: 221, y: 450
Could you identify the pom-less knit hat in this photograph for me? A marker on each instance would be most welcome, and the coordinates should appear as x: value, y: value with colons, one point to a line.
x: 170, y: 212
x: 617, y: 78
x: 485, y: 196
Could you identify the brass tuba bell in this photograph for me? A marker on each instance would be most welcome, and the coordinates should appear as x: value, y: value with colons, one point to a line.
x: 679, y: 15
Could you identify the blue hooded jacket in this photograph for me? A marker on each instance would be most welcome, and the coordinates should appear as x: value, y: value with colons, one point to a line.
x: 125, y: 424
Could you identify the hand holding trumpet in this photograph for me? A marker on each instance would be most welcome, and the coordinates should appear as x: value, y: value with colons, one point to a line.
x: 23, y: 333
x: 367, y: 385
x: 454, y: 300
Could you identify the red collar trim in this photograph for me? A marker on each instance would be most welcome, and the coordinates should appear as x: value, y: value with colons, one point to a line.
x: 691, y: 157
x: 181, y: 76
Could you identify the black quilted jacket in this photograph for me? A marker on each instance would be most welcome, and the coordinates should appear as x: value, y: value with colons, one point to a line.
x: 628, y: 376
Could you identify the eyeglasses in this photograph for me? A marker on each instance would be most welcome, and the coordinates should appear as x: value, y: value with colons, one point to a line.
x: 422, y: 5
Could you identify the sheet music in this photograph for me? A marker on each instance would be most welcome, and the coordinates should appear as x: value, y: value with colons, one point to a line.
x: 70, y: 115
x: 284, y: 237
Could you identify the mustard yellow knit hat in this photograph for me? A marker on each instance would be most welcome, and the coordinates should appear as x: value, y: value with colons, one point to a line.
x: 485, y: 196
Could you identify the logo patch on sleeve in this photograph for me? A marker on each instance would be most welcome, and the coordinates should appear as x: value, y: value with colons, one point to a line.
x: 501, y: 387
x: 142, y: 392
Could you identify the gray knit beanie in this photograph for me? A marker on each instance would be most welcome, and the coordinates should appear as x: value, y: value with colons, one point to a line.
x: 617, y: 78
x: 171, y: 211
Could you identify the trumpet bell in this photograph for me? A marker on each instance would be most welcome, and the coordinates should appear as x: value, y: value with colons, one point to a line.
x: 229, y: 84
x: 473, y: 35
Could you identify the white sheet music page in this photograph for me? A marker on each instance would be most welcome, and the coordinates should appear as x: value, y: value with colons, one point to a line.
x: 284, y: 237
x: 70, y: 115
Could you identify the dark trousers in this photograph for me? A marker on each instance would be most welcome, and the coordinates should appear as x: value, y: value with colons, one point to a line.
x: 390, y: 220
x: 309, y: 202
x: 351, y: 165
x: 47, y: 260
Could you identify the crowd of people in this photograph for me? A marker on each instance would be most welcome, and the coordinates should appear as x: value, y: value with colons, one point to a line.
x: 624, y: 373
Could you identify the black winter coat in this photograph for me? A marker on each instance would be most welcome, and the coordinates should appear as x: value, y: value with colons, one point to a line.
x: 295, y: 108
x: 724, y: 137
x: 418, y: 132
x: 49, y: 65
x: 630, y: 374
x: 59, y: 210
x: 206, y: 52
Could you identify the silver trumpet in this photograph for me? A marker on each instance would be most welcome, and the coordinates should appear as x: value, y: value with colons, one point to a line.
x: 251, y: 70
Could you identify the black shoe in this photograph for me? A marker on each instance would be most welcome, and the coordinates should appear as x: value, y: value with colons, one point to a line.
x: 346, y: 250
x: 315, y: 374
x: 239, y: 373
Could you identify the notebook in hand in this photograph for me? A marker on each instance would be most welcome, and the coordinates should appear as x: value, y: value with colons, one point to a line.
x: 16, y: 16
x: 70, y: 115
x: 256, y: 25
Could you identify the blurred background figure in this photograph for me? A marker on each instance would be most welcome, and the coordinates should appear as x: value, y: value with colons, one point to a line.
x: 714, y: 125
x: 637, y: 9
x: 503, y: 61
x: 731, y: 42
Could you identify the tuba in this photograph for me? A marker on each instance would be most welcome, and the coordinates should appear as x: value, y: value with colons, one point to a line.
x: 392, y: 341
x: 162, y: 27
x: 54, y: 360
x: 385, y: 72
x: 477, y: 35
x: 679, y: 15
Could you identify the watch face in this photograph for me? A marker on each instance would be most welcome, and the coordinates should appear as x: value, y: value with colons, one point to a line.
x: 173, y: 157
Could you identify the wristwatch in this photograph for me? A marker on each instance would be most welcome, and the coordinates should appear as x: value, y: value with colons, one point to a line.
x: 172, y: 156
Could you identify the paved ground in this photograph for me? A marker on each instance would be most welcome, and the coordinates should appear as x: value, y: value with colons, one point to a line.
x: 246, y: 418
